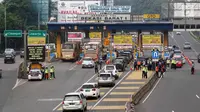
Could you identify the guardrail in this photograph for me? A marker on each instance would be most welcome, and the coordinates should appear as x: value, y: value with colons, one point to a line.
x: 135, y: 99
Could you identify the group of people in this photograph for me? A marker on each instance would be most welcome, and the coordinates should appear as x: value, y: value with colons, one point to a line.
x: 161, y: 68
x: 48, y: 73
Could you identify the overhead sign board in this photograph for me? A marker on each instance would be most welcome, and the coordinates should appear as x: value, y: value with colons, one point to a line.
x: 151, y: 16
x: 36, y: 53
x: 151, y: 40
x: 37, y: 37
x: 12, y: 33
x: 110, y: 9
x: 104, y: 17
x: 37, y: 33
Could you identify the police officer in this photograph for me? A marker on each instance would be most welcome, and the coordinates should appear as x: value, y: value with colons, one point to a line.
x: 168, y: 62
x: 146, y: 72
x: 96, y: 68
x: 46, y: 77
x: 143, y: 71
x: 173, y: 63
x: 51, y: 72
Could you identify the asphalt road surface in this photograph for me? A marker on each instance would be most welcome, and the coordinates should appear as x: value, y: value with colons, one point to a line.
x: 178, y: 91
x: 9, y: 77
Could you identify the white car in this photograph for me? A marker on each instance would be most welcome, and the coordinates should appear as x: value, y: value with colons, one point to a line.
x: 90, y: 90
x: 187, y: 45
x: 35, y: 74
x: 106, y: 79
x: 10, y: 51
x: 74, y: 101
x: 87, y: 62
x: 111, y: 69
x: 178, y: 33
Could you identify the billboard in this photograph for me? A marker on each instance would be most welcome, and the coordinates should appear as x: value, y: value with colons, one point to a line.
x: 192, y: 10
x: 151, y: 40
x: 36, y: 53
x: 75, y: 36
x: 110, y: 9
x: 104, y: 17
x: 151, y: 16
x: 68, y: 10
x: 95, y: 36
x: 122, y: 39
x: 36, y: 40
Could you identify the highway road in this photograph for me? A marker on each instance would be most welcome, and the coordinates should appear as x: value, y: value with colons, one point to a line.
x: 9, y: 79
x: 178, y: 91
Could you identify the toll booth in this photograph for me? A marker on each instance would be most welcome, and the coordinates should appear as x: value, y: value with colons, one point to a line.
x: 108, y: 29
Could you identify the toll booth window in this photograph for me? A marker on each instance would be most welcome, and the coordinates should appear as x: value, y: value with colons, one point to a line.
x: 67, y: 46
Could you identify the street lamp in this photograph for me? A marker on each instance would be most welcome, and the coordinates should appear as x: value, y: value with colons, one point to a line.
x: 5, y: 23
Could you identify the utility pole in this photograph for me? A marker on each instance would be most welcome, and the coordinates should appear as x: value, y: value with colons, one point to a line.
x: 25, y: 53
x: 39, y: 19
x: 185, y: 14
x: 5, y: 23
x: 168, y: 10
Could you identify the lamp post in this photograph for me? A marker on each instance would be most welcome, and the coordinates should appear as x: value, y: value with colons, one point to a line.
x: 5, y: 22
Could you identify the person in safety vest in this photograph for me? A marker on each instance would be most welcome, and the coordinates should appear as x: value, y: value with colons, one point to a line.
x: 46, y: 77
x: 173, y: 63
x: 143, y: 71
x: 146, y: 72
x: 168, y: 62
x: 52, y: 72
x: 42, y: 70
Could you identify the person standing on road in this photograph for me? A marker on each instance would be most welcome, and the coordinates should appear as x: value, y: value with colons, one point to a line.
x: 100, y: 63
x: 52, y: 72
x: 143, y: 71
x: 96, y: 68
x: 46, y: 73
x: 162, y: 71
x: 157, y: 71
x: 146, y: 72
x: 42, y: 70
x: 168, y: 62
x: 135, y: 65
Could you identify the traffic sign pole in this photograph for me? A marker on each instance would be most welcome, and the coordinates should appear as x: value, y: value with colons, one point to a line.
x: 25, y: 52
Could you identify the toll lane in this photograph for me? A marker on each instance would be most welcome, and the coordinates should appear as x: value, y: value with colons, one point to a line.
x: 43, y: 96
x: 6, y: 85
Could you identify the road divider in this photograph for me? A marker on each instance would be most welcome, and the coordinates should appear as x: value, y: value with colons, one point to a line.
x: 135, y: 98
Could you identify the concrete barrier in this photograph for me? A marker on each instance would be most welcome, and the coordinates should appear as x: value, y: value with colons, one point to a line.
x: 20, y: 71
x: 144, y: 89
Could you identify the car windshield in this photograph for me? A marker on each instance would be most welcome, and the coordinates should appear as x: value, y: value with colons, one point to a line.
x: 104, y: 75
x: 109, y: 67
x: 71, y: 97
x: 88, y: 86
x: 178, y: 59
x: 177, y: 51
x: 187, y: 43
x: 87, y: 59
x: 67, y: 46
x: 119, y: 60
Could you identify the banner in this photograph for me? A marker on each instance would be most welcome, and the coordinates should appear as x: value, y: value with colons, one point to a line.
x: 123, y: 39
x: 151, y: 40
x: 36, y: 40
x: 95, y: 35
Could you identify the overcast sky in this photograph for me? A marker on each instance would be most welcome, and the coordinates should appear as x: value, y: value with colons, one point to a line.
x: 1, y: 0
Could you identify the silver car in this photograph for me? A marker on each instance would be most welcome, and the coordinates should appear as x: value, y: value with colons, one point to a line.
x: 106, y: 79
x: 10, y: 51
x: 88, y: 62
x: 74, y: 101
x: 187, y: 45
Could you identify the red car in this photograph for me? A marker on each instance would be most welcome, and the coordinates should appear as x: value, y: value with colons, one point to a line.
x: 179, y: 62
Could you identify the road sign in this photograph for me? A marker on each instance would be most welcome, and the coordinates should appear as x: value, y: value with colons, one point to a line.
x: 12, y: 33
x: 151, y: 16
x: 37, y: 33
x: 155, y: 55
x: 108, y: 55
x: 166, y: 54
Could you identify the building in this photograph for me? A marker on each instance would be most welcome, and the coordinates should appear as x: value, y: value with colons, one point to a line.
x: 42, y: 7
x: 108, y: 2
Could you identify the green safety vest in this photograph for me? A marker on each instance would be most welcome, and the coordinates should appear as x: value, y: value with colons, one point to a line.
x: 146, y: 70
x: 168, y: 61
x: 173, y: 61
x: 143, y: 69
x: 51, y: 70
x: 46, y: 71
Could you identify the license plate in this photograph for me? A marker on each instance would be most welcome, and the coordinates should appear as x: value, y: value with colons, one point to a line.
x: 71, y: 103
x: 87, y: 90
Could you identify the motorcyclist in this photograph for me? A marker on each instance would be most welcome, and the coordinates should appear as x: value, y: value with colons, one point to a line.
x: 192, y: 68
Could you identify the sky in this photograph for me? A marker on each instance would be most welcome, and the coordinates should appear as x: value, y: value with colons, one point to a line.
x: 1, y: 1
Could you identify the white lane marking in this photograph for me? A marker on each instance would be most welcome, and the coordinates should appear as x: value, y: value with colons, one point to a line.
x: 172, y: 36
x: 78, y: 88
x: 52, y: 99
x: 151, y: 91
x: 16, y: 84
x: 191, y: 46
x: 172, y: 111
x: 110, y: 91
x: 197, y: 96
x: 72, y: 67
x: 22, y: 83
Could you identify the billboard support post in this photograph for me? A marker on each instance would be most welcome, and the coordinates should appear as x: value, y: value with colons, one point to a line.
x: 25, y: 53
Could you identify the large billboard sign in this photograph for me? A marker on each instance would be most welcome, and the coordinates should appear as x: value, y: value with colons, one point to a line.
x: 104, y: 17
x: 110, y: 9
x: 68, y: 10
x: 122, y: 39
x: 75, y: 36
x: 191, y: 9
x: 151, y: 40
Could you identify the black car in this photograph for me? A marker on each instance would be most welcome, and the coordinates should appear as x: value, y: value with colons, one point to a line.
x: 120, y: 64
x: 126, y: 55
x: 9, y: 57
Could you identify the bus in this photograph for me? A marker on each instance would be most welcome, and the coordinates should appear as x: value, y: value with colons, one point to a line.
x: 70, y: 51
x: 93, y: 50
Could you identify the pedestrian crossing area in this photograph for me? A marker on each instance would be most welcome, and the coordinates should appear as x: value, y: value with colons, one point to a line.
x: 116, y: 99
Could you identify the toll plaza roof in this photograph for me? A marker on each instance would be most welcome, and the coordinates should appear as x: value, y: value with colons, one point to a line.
x: 132, y: 26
